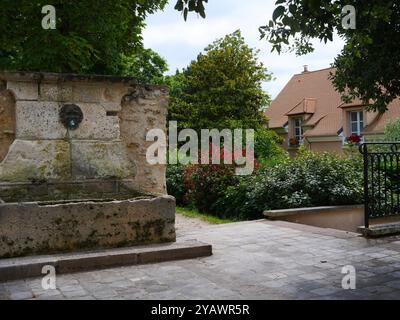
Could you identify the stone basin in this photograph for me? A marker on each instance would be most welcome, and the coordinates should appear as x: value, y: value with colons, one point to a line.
x: 45, y: 227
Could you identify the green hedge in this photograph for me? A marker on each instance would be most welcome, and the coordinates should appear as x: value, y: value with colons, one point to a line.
x: 306, y: 181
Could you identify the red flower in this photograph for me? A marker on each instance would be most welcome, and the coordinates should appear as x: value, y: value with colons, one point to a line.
x: 294, y: 142
x: 353, y: 139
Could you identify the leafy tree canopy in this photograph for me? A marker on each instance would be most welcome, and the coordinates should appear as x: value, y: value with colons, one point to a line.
x: 90, y: 35
x: 222, y: 88
x: 145, y: 65
x: 368, y: 67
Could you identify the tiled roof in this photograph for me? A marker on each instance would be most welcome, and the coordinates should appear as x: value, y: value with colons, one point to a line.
x: 309, y: 85
x: 306, y: 106
x: 328, y: 125
x: 312, y: 93
x: 378, y: 125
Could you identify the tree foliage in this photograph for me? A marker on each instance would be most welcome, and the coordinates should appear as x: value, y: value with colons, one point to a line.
x: 367, y: 67
x: 145, y: 65
x: 221, y: 88
x: 90, y: 35
x: 187, y: 6
x: 392, y: 130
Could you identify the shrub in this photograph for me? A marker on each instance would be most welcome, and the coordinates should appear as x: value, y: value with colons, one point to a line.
x: 207, y: 183
x: 392, y: 130
x: 308, y: 180
x: 267, y: 148
x: 175, y: 183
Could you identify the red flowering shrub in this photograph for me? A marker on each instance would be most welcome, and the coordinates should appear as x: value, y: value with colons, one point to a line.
x: 205, y: 184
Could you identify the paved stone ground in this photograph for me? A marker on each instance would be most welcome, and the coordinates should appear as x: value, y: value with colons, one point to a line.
x: 185, y: 225
x: 252, y: 260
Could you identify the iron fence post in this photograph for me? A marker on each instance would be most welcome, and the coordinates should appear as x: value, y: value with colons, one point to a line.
x: 366, y: 188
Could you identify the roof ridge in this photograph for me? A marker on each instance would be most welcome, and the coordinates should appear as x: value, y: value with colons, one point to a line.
x: 314, y: 71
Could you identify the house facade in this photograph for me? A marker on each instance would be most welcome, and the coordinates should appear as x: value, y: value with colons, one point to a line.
x: 310, y: 112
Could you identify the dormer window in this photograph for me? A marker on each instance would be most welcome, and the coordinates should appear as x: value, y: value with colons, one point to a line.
x: 356, y: 122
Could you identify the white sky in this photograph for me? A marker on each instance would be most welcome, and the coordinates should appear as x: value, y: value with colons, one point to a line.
x: 180, y: 42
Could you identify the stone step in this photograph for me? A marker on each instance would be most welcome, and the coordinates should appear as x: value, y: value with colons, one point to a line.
x: 380, y: 230
x: 29, y: 267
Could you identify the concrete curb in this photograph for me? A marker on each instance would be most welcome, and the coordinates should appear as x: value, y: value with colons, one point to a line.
x: 380, y: 230
x: 29, y: 267
x: 276, y: 214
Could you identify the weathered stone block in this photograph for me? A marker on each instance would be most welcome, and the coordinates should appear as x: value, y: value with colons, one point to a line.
x: 96, y: 124
x: 39, y: 120
x: 138, y: 116
x: 24, y: 90
x: 114, y: 93
x: 55, y: 92
x: 111, y: 106
x: 36, y: 161
x: 101, y: 160
x: 86, y: 93
x: 32, y: 228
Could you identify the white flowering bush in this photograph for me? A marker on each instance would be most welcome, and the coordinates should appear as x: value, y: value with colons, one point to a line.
x: 308, y: 180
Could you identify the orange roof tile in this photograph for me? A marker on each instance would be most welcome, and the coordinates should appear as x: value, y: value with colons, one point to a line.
x: 306, y: 106
x: 329, y: 125
x: 309, y: 85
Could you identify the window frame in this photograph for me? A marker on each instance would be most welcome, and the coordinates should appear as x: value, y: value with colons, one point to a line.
x: 359, y: 122
x: 299, y: 127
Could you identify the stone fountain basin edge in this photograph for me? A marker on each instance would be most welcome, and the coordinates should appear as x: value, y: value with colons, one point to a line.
x: 32, y: 228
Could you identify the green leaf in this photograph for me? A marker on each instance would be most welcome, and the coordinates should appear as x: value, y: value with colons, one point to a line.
x: 179, y: 5
x: 279, y: 11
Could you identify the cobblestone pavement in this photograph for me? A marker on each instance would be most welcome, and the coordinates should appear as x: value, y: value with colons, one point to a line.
x: 252, y: 260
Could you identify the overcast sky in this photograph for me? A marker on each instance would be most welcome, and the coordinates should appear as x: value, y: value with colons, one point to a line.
x: 180, y: 42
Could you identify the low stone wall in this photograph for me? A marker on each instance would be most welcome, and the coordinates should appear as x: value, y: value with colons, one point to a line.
x: 43, y: 228
x: 347, y: 218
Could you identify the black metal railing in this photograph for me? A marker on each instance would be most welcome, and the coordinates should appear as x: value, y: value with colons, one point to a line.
x: 381, y: 179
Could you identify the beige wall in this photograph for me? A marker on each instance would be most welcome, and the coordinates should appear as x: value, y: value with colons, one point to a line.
x: 325, y: 146
x: 320, y: 146
x: 347, y: 218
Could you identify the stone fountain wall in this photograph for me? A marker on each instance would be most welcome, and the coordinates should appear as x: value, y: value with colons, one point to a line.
x: 63, y: 189
x: 106, y: 152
